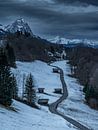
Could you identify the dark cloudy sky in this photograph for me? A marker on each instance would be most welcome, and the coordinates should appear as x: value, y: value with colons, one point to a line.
x: 66, y: 18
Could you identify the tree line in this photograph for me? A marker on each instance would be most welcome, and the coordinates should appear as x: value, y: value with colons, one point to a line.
x: 84, y: 66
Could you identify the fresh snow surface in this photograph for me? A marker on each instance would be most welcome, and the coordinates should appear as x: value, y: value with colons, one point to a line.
x: 27, y: 118
x: 74, y: 106
x: 43, y: 76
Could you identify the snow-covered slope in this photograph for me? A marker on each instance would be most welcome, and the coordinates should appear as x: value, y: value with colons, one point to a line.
x: 42, y: 73
x: 2, y: 31
x: 19, y: 25
x: 75, y: 106
x: 27, y: 118
x: 1, y: 27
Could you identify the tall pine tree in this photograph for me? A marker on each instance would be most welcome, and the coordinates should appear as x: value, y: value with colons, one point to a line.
x: 30, y: 90
x: 6, y: 80
x: 15, y: 88
x: 10, y: 55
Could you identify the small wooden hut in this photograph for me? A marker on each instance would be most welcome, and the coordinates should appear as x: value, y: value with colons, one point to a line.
x: 55, y: 70
x: 41, y: 90
x: 58, y: 90
x: 43, y: 101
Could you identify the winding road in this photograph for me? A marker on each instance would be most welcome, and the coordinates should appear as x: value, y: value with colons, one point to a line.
x: 53, y: 106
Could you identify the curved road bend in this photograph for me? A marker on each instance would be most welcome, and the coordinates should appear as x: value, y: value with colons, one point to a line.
x: 53, y: 106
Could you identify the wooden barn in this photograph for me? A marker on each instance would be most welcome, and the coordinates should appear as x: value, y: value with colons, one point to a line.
x: 58, y: 90
x: 41, y: 90
x: 43, y: 101
x: 55, y: 70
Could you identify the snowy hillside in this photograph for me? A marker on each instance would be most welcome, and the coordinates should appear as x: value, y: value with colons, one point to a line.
x: 74, y: 106
x: 42, y: 73
x: 2, y: 31
x: 27, y: 118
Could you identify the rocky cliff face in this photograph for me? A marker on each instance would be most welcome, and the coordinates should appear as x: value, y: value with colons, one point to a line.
x: 19, y: 25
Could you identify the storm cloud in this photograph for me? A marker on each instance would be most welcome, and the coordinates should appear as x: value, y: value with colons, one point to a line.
x: 49, y: 18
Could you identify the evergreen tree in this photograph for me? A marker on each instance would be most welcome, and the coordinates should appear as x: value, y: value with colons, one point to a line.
x: 15, y: 88
x: 27, y: 34
x: 85, y: 88
x: 6, y: 86
x: 96, y: 95
x: 90, y: 93
x: 30, y: 90
x: 18, y: 34
x: 3, y: 58
x: 10, y: 55
x: 52, y: 49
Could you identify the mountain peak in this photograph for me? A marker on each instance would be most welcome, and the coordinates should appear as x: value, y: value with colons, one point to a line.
x: 20, y: 20
x: 59, y: 40
x: 19, y: 25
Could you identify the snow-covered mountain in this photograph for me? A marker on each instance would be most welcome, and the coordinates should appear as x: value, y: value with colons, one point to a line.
x: 74, y: 42
x: 19, y: 25
x: 59, y: 40
x: 2, y: 31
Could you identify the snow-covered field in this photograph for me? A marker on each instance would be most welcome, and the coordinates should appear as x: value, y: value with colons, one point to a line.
x: 27, y: 118
x: 74, y: 106
x: 43, y: 76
